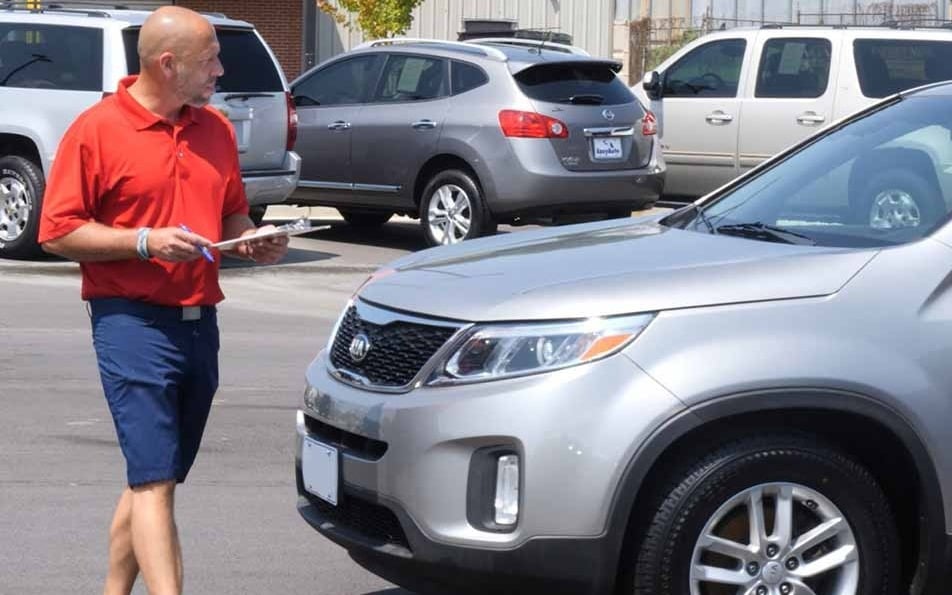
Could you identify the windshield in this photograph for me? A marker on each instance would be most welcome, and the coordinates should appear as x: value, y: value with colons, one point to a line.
x: 883, y: 180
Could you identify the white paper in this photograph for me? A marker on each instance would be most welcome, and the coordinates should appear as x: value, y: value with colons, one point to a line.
x: 266, y: 233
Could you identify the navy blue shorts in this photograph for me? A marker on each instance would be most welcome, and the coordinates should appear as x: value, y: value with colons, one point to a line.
x: 159, y: 373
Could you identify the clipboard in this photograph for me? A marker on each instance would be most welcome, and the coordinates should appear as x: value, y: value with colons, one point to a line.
x: 299, y: 227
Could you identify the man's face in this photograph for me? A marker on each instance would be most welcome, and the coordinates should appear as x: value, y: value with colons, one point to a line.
x: 197, y: 73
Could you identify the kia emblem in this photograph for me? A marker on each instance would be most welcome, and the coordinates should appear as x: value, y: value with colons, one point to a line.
x: 608, y: 114
x: 359, y: 348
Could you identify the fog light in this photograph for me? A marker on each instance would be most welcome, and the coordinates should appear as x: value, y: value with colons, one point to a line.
x: 310, y: 397
x: 507, y: 490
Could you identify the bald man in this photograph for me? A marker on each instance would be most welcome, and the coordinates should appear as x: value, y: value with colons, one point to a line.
x: 142, y: 185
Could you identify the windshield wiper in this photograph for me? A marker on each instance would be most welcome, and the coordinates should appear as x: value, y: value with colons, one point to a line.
x: 591, y: 99
x: 763, y: 231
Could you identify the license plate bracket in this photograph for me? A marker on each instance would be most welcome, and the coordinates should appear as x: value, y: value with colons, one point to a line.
x: 320, y: 468
x: 606, y: 148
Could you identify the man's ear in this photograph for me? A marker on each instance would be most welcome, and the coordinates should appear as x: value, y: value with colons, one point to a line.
x: 166, y: 62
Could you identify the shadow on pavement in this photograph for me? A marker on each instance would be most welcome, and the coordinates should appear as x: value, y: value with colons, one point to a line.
x: 391, y: 592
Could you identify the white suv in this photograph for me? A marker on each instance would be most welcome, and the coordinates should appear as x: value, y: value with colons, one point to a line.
x: 56, y: 63
x: 729, y: 100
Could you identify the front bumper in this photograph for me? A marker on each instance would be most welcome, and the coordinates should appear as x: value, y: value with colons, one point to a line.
x: 268, y: 187
x: 406, y: 462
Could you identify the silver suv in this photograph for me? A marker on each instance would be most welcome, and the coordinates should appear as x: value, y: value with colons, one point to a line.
x: 751, y: 395
x: 57, y: 62
x: 465, y: 136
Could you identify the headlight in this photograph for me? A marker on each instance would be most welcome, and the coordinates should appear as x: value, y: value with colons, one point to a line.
x: 492, y: 352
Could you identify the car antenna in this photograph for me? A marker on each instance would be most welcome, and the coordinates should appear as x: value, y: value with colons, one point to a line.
x: 545, y: 38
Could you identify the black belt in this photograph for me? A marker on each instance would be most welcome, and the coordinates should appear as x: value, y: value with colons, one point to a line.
x: 103, y: 306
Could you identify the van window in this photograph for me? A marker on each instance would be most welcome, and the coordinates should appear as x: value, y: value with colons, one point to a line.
x: 412, y: 78
x: 794, y: 67
x: 887, y: 66
x: 247, y: 63
x: 466, y: 77
x: 50, y: 57
x: 710, y: 70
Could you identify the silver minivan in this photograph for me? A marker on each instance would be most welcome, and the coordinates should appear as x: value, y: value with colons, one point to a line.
x: 748, y: 396
x: 465, y: 136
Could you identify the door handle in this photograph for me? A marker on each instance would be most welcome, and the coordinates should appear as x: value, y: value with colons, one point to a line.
x: 424, y: 124
x: 339, y: 125
x: 719, y: 118
x: 810, y: 119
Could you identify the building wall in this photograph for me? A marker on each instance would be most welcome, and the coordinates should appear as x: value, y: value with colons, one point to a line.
x: 280, y: 22
x: 834, y: 11
x: 589, y: 22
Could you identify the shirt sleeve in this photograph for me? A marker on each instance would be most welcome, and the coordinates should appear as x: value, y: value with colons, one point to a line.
x: 236, y: 202
x: 72, y: 190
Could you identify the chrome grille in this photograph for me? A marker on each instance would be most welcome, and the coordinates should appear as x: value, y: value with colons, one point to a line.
x: 399, y: 346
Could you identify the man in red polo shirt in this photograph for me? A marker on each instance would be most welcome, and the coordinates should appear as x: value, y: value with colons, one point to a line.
x: 142, y: 184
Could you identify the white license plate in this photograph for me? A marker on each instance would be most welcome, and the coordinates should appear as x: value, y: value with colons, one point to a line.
x: 606, y: 148
x: 319, y: 466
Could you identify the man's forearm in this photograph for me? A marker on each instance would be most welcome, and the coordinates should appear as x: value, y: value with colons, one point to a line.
x: 233, y: 226
x: 95, y: 242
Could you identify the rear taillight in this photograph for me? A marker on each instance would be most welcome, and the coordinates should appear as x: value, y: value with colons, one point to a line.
x: 517, y: 124
x: 649, y: 125
x: 292, y: 122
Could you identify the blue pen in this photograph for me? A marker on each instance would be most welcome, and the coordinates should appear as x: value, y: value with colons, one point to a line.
x: 205, y: 252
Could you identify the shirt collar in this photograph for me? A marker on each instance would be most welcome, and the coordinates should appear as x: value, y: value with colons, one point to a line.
x: 141, y: 117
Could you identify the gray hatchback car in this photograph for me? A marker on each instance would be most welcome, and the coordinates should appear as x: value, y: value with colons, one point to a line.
x: 465, y: 136
x: 751, y: 395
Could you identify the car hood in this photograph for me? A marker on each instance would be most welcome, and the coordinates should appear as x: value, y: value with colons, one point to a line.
x: 605, y: 269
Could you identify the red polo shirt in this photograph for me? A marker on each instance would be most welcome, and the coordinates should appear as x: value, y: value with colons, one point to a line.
x: 123, y: 166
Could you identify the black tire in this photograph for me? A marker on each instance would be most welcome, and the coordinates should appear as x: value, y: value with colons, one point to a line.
x: 365, y: 219
x: 624, y: 213
x: 480, y: 219
x: 256, y: 213
x: 926, y: 196
x: 29, y: 177
x: 672, y: 523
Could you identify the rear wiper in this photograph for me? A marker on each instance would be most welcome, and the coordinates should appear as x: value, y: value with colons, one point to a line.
x: 36, y: 58
x: 246, y: 96
x: 584, y: 100
x: 763, y: 231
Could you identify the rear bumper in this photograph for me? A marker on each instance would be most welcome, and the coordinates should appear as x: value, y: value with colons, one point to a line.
x: 530, y: 179
x: 267, y: 187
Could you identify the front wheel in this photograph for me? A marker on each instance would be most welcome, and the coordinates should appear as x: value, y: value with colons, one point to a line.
x: 452, y: 209
x: 21, y: 194
x: 776, y: 515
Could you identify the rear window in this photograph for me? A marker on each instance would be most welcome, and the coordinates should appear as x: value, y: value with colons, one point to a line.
x: 50, y: 57
x: 248, y: 65
x: 578, y: 83
x: 887, y: 66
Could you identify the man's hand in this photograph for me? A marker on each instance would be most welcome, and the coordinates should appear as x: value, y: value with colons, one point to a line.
x: 175, y: 245
x: 265, y: 251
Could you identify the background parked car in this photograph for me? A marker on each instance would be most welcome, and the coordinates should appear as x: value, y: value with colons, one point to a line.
x: 55, y: 63
x: 728, y: 101
x: 465, y: 136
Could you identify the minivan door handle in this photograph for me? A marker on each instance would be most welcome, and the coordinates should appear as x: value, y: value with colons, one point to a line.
x: 810, y: 119
x: 719, y: 118
x: 424, y: 124
x: 339, y: 125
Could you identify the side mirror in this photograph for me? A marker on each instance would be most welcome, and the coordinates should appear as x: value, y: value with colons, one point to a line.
x: 651, y: 83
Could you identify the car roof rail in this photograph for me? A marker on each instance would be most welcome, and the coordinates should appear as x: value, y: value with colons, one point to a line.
x: 462, y: 45
x: 522, y: 42
x: 37, y: 8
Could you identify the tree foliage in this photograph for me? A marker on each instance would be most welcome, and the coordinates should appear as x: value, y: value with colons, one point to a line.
x: 376, y: 18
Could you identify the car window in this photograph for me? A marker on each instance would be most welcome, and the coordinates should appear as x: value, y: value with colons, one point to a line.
x: 879, y: 181
x: 248, y: 66
x: 50, y: 57
x: 412, y: 78
x: 710, y: 70
x: 466, y: 77
x: 341, y: 83
x: 887, y: 66
x: 794, y: 67
x: 574, y: 82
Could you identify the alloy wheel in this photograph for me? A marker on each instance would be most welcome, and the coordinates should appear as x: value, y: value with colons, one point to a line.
x: 449, y: 214
x: 14, y: 208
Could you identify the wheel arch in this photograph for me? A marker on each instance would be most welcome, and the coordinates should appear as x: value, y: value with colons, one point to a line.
x: 889, y: 444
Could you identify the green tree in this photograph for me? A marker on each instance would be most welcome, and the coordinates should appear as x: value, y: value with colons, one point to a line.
x: 376, y: 18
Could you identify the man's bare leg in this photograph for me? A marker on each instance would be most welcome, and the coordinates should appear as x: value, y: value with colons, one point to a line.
x: 155, y: 537
x: 123, y: 567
